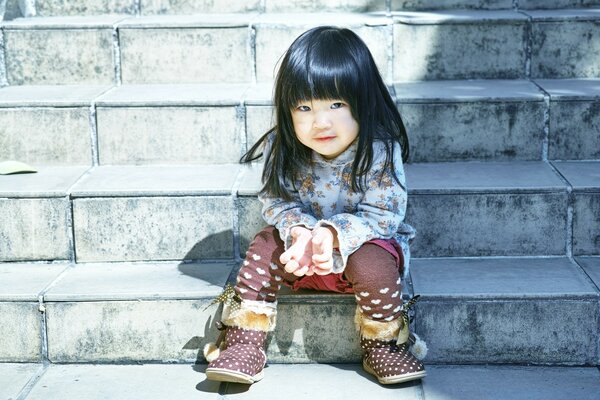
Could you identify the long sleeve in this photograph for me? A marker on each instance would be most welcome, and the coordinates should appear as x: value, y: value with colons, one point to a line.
x: 378, y: 215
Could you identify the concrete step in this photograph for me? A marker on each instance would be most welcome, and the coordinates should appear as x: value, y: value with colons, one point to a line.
x: 574, y: 118
x: 483, y: 310
x: 95, y: 382
x: 142, y: 213
x: 407, y: 46
x: 216, y: 123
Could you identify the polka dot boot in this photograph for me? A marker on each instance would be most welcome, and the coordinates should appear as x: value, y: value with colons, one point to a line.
x: 243, y: 358
x: 389, y: 362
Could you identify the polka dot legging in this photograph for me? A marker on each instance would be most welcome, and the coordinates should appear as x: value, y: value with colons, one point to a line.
x: 372, y: 271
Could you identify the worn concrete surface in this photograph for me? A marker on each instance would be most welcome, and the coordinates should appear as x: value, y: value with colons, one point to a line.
x: 65, y: 7
x: 13, y: 377
x: 277, y: 6
x: 541, y: 4
x: 153, y: 228
x: 207, y: 94
x: 275, y: 33
x: 151, y: 180
x: 135, y: 330
x: 168, y: 135
x: 25, y: 281
x: 591, y: 265
x: 259, y: 119
x: 574, y: 127
x: 50, y: 95
x: 46, y: 135
x: 149, y: 7
x: 431, y: 46
x: 20, y: 332
x: 585, y: 180
x: 140, y: 281
x: 475, y: 131
x: 49, y: 181
x: 35, y: 229
x: 59, y: 56
x: 510, y: 382
x: 506, y: 311
x: 565, y: 46
x: 416, y: 5
x: 251, y: 222
x: 99, y: 382
x: 162, y: 55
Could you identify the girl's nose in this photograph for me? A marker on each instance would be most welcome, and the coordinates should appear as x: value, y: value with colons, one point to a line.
x: 322, y: 120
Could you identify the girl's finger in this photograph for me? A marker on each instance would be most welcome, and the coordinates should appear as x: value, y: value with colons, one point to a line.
x: 322, y: 269
x: 292, y: 266
x: 320, y: 258
x: 301, y: 271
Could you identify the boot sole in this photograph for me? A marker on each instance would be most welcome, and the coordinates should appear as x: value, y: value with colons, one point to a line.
x: 390, y: 380
x: 226, y: 375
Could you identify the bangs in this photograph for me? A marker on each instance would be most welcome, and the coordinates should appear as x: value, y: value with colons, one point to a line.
x: 324, y: 71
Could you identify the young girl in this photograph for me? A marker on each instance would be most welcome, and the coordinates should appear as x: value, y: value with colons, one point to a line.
x: 335, y: 198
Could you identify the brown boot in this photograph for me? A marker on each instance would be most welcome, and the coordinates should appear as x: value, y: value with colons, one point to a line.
x: 241, y: 358
x: 384, y: 358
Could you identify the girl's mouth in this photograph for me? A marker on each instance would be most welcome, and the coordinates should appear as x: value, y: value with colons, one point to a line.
x: 324, y: 138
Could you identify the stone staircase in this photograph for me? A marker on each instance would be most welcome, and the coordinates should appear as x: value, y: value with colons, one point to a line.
x: 135, y: 112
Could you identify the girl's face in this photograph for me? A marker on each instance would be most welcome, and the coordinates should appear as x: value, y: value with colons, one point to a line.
x: 325, y: 126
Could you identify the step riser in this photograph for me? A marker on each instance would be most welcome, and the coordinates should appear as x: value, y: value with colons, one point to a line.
x: 566, y: 50
x: 436, y: 52
x: 151, y: 7
x: 149, y: 228
x: 35, y: 229
x: 497, y: 50
x: 153, y: 228
x: 46, y: 135
x: 474, y: 131
x: 154, y: 135
x: 517, y: 331
x: 199, y: 135
x: 475, y: 331
x: 20, y: 332
x: 574, y: 130
x: 59, y: 56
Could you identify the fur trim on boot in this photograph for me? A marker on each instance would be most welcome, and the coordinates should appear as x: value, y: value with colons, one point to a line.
x: 371, y: 329
x: 253, y: 315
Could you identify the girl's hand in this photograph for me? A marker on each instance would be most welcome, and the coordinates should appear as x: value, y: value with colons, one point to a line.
x: 323, y: 241
x: 298, y: 258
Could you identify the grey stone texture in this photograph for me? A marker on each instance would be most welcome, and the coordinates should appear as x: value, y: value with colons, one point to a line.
x: 59, y: 51
x: 152, y: 228
x: 591, y: 265
x: 135, y: 330
x: 250, y: 220
x: 585, y: 180
x: 472, y: 120
x: 574, y: 118
x: 276, y: 6
x: 432, y: 46
x: 168, y: 135
x: 13, y: 377
x: 510, y: 382
x: 187, y: 7
x: 150, y: 180
x: 565, y: 45
x: 545, y: 4
x: 52, y: 181
x: 151, y: 53
x: 45, y: 237
x: 45, y: 135
x: 127, y: 382
x: 321, y: 381
x: 424, y: 5
x: 275, y: 33
x: 20, y: 332
x: 26, y: 281
x: 527, y: 317
x: 259, y: 119
x: 95, y: 7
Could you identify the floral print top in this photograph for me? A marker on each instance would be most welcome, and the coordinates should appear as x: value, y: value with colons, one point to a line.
x: 324, y: 197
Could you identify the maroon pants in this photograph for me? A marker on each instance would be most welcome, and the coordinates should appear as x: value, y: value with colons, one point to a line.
x: 372, y: 273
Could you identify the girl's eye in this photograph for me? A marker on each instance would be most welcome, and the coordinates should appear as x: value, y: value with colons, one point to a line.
x: 303, y: 108
x: 337, y: 105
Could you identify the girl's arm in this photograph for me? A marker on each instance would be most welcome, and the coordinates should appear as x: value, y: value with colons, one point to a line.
x: 378, y: 215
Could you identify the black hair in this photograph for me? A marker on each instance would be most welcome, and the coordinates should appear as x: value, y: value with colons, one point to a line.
x: 328, y: 63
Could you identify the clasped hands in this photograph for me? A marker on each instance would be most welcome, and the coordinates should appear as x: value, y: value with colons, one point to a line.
x: 311, y: 252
